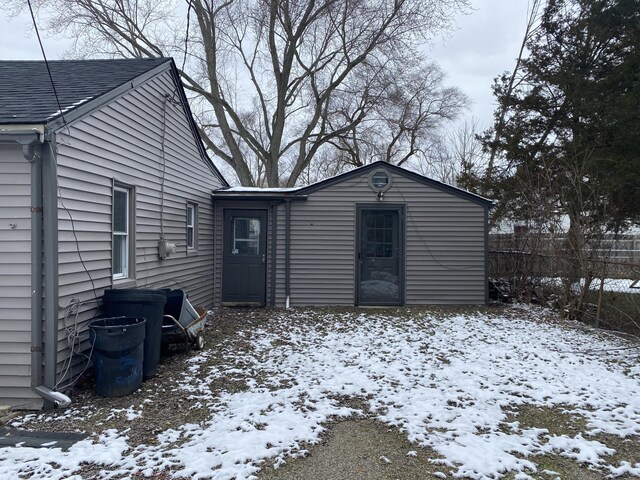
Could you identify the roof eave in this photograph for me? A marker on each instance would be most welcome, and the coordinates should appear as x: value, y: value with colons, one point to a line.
x: 22, y: 127
x: 59, y: 121
x: 23, y: 137
x: 194, y: 127
x: 247, y: 196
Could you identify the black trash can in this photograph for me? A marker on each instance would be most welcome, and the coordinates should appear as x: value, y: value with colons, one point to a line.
x: 118, y: 354
x: 141, y: 303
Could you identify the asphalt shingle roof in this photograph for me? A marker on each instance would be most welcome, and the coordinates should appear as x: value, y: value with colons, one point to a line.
x: 26, y: 94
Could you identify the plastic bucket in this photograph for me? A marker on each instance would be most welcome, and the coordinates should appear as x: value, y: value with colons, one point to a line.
x: 140, y: 303
x: 118, y: 354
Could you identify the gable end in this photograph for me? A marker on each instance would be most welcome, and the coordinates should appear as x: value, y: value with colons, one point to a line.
x: 458, y: 192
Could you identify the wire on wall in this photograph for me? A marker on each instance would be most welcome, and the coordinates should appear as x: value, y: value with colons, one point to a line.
x: 74, y: 331
x: 425, y: 242
x: 166, y: 99
x: 164, y: 162
x: 74, y: 232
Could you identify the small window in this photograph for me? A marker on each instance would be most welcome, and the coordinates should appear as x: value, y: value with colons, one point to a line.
x: 192, y: 226
x: 246, y: 236
x: 121, y: 227
x: 380, y: 181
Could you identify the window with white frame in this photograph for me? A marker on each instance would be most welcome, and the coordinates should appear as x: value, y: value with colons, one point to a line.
x: 122, y: 241
x: 192, y: 226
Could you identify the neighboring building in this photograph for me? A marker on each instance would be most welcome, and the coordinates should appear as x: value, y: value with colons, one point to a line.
x: 95, y: 192
x: 377, y: 235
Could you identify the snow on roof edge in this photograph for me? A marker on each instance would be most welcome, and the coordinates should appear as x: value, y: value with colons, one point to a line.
x: 240, y: 189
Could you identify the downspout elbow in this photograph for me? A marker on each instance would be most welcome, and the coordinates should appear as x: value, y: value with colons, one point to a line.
x: 57, y: 398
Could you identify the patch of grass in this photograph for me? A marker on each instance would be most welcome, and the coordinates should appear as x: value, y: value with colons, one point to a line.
x: 627, y: 449
x: 551, y: 467
x: 357, y: 449
x: 556, y: 420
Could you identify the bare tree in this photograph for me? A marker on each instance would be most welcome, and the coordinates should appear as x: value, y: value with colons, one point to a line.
x: 411, y: 107
x: 269, y: 78
x: 512, y: 81
x: 451, y: 154
x: 464, y: 152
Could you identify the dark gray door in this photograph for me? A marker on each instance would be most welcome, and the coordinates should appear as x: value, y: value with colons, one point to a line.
x: 380, y: 275
x: 243, y: 260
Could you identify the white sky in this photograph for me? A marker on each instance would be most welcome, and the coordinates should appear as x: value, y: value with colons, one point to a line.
x: 484, y: 45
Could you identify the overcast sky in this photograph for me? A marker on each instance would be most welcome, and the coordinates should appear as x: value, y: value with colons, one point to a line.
x: 484, y: 45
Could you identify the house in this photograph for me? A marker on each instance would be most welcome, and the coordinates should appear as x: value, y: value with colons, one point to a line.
x: 104, y: 183
x: 378, y: 235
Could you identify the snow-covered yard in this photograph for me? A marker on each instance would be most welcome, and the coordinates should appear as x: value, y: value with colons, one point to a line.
x: 452, y: 381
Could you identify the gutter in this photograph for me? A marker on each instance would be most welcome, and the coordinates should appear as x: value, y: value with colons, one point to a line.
x: 40, y: 156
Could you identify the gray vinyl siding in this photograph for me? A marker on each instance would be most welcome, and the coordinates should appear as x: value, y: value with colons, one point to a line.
x: 445, y: 244
x: 15, y: 279
x: 281, y: 256
x: 218, y: 224
x: 323, y: 248
x: 122, y: 143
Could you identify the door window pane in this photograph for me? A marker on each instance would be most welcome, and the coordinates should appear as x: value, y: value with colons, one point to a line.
x: 379, y: 235
x: 380, y: 286
x: 246, y: 236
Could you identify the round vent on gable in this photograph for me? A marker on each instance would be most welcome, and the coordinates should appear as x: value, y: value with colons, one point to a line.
x: 380, y: 181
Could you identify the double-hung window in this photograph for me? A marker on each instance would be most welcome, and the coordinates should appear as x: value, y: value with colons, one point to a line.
x: 121, y: 231
x: 192, y: 226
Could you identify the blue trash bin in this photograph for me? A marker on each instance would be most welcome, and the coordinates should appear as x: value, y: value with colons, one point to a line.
x: 118, y: 354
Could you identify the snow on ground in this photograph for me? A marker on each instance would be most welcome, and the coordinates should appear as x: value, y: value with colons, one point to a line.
x: 449, y: 383
x: 619, y: 285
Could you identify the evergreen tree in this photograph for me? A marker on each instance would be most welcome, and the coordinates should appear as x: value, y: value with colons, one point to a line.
x: 570, y: 140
